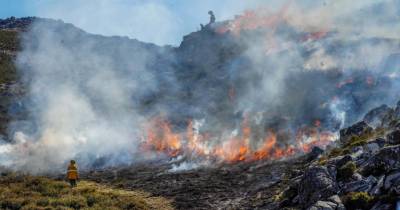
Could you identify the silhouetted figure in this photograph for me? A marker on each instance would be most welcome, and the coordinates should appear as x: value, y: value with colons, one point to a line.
x: 212, y: 17
x: 212, y: 20
x: 72, y: 173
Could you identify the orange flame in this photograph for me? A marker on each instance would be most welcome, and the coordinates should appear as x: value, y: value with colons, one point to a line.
x: 161, y: 138
x: 251, y: 20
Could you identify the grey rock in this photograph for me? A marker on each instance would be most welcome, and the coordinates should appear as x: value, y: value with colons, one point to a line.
x: 357, y: 152
x: 357, y: 177
x: 382, y: 206
x: 376, y: 190
x: 391, y: 179
x: 355, y: 130
x: 393, y: 137
x: 336, y: 199
x: 372, y: 148
x: 363, y: 185
x: 385, y: 160
x: 380, y: 141
x: 323, y: 205
x: 340, y: 160
x: 317, y: 184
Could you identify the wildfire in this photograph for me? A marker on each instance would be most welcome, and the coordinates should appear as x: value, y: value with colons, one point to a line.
x: 162, y: 139
x: 254, y: 19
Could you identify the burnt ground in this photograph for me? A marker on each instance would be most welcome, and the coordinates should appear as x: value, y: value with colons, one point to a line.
x: 237, y: 186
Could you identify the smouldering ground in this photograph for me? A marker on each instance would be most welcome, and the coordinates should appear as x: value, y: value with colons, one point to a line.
x: 29, y: 192
x: 253, y: 185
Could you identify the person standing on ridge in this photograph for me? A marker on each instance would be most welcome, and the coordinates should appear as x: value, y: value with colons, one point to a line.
x: 212, y: 17
x: 72, y: 173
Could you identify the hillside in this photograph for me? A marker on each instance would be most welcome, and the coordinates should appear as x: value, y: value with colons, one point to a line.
x: 9, y: 45
x: 27, y: 192
x: 226, y: 120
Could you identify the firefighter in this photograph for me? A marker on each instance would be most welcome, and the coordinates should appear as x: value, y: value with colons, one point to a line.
x: 72, y: 173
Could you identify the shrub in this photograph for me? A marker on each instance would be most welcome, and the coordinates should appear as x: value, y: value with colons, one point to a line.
x: 358, y: 200
x: 357, y: 141
x: 346, y: 171
x: 90, y: 200
x: 11, y: 203
x: 42, y: 202
x: 75, y: 202
x: 335, y: 152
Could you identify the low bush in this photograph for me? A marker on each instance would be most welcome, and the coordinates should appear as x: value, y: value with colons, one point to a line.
x: 346, y: 171
x: 358, y: 200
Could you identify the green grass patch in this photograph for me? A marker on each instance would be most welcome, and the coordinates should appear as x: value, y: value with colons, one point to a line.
x: 8, y: 72
x: 28, y: 192
x: 346, y: 171
x: 358, y: 200
x: 9, y: 40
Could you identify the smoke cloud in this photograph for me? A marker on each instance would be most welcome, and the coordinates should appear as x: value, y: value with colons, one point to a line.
x: 279, y: 68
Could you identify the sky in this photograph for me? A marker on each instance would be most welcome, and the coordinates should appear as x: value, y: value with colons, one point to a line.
x: 157, y: 21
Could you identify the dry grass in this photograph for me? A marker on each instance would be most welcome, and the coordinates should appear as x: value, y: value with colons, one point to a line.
x: 28, y: 192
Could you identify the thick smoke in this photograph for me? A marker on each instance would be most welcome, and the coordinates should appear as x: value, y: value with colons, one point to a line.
x: 275, y: 70
x: 82, y: 97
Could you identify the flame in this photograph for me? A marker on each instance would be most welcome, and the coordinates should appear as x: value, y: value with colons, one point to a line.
x: 254, y: 19
x: 161, y: 138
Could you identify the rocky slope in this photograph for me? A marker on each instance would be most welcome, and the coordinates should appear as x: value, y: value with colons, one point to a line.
x: 361, y: 173
x: 10, y: 88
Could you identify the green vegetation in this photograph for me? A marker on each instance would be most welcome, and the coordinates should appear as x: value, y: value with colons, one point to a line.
x: 346, y: 171
x: 9, y: 44
x: 358, y: 200
x: 27, y: 192
x: 9, y: 40
x: 8, y: 71
x: 354, y: 141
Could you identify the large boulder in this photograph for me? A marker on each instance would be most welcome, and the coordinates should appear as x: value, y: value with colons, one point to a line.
x: 377, y: 189
x: 392, y: 182
x: 372, y: 148
x: 323, y: 205
x: 393, y: 137
x: 363, y: 185
x: 332, y: 203
x: 386, y: 160
x: 318, y: 183
x: 357, y: 129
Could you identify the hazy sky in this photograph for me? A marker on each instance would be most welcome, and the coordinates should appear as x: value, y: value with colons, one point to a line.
x: 158, y: 21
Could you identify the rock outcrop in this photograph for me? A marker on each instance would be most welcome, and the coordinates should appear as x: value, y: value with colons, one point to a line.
x: 362, y: 173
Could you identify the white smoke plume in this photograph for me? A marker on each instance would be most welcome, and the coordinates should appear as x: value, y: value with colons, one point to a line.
x: 86, y: 91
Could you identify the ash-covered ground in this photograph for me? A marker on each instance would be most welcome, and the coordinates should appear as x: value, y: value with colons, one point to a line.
x: 237, y: 186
